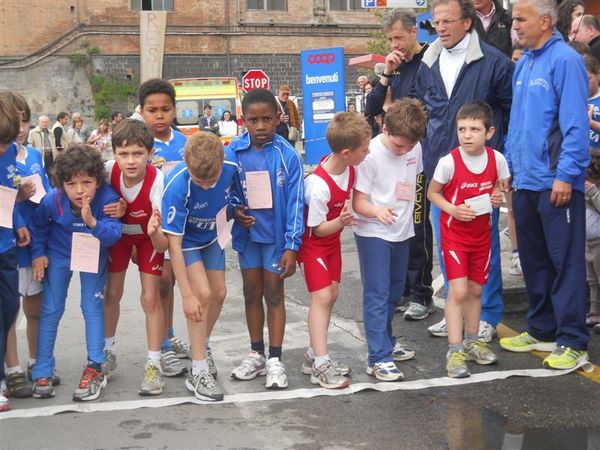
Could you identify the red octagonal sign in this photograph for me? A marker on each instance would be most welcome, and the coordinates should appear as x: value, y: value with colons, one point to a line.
x: 254, y: 79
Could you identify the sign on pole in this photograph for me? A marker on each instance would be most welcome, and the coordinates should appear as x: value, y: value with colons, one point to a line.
x: 394, y: 3
x: 254, y: 79
x: 152, y: 43
x: 323, y: 92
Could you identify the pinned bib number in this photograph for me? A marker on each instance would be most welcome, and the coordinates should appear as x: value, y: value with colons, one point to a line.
x: 404, y: 191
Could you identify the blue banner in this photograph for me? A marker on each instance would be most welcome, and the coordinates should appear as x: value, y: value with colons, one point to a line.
x: 323, y: 94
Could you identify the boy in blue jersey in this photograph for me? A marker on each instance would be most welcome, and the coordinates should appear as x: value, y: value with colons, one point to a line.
x: 195, y: 193
x: 74, y: 206
x: 9, y: 291
x: 157, y: 102
x: 29, y: 162
x: 267, y: 232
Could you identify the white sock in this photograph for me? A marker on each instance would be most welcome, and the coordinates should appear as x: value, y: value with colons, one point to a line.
x: 31, y: 362
x: 11, y: 370
x: 198, y: 366
x: 320, y: 360
x: 110, y: 344
x: 311, y: 353
x: 154, y: 357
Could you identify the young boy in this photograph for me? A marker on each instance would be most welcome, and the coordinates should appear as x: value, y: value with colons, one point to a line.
x: 30, y: 162
x: 465, y: 187
x: 195, y: 193
x: 9, y: 279
x: 73, y: 209
x: 383, y: 200
x: 267, y: 232
x: 326, y: 194
x: 157, y: 103
x: 141, y: 186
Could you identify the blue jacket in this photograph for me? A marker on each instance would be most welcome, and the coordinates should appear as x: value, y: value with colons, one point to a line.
x: 486, y: 75
x: 287, y: 187
x: 53, y: 224
x: 548, y: 133
x: 8, y: 163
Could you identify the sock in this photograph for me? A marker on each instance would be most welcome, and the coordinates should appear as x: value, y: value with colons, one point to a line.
x: 311, y: 353
x: 170, y: 332
x: 12, y: 370
x: 453, y: 348
x: 275, y: 352
x: 165, y: 346
x: 31, y: 362
x: 471, y: 337
x: 258, y: 347
x: 320, y: 360
x: 94, y: 365
x: 154, y: 357
x: 110, y: 344
x: 198, y: 366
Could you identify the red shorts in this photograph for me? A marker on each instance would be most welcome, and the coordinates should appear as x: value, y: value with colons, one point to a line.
x: 473, y: 265
x: 148, y: 259
x: 320, y: 271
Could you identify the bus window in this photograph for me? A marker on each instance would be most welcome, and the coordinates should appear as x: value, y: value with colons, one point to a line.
x: 187, y: 112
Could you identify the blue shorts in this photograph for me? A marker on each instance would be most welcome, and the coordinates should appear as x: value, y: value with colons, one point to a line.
x: 260, y: 255
x: 212, y: 256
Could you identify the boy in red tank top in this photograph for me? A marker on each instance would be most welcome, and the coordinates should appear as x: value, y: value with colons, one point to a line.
x: 466, y: 186
x: 140, y: 186
x: 326, y: 195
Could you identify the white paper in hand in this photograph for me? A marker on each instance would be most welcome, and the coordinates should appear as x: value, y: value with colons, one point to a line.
x: 482, y: 204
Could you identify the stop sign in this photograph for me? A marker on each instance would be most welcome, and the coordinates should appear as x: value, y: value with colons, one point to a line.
x: 254, y: 79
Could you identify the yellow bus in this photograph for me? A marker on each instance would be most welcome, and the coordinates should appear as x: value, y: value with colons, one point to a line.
x: 193, y: 94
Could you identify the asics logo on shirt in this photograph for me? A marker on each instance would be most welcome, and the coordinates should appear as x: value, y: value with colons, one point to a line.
x: 157, y: 267
x: 200, y: 205
x: 171, y: 214
x: 468, y: 185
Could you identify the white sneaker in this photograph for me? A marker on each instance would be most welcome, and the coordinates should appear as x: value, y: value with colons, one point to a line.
x: 515, y: 265
x: 400, y: 353
x: 439, y: 329
x: 276, y: 376
x: 251, y: 366
x: 486, y: 331
x: 385, y: 371
x: 4, y: 404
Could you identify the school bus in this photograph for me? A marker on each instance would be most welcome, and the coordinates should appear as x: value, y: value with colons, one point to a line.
x: 193, y: 94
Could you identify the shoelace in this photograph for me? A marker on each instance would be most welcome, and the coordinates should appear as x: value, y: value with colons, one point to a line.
x: 88, y: 376
x: 277, y: 368
x: 150, y: 372
x: 457, y: 357
x: 205, y: 379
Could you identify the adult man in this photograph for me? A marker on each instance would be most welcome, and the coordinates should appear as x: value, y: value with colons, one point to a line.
x: 41, y: 139
x: 586, y: 29
x: 360, y: 82
x: 493, y: 24
x: 546, y: 149
x: 116, y: 118
x: 401, y: 65
x: 207, y: 122
x: 59, y: 132
x: 289, y: 115
x: 458, y: 68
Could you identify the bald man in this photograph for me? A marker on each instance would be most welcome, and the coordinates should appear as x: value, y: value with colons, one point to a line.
x: 41, y: 138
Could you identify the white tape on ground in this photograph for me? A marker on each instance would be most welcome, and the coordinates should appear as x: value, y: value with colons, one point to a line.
x: 287, y: 394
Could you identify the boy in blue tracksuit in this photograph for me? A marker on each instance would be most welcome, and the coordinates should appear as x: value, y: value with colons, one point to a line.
x: 9, y: 289
x: 547, y: 151
x: 267, y: 233
x: 75, y: 206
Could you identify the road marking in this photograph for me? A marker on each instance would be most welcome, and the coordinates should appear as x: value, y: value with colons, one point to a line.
x: 281, y: 395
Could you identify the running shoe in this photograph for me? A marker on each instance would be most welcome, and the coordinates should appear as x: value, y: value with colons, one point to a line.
x: 110, y: 363
x: 204, y: 387
x: 181, y: 349
x: 253, y: 365
x: 212, y: 368
x: 385, y: 371
x: 439, y: 329
x: 524, y: 342
x: 341, y: 368
x: 43, y: 388
x: 403, y: 304
x: 327, y: 377
x: 486, y: 331
x: 480, y: 352
x: 154, y: 381
x: 170, y: 365
x: 90, y: 386
x: 55, y: 377
x: 18, y: 386
x: 399, y: 353
x: 276, y: 376
x: 456, y: 365
x: 416, y: 311
x: 4, y: 403
x: 564, y: 358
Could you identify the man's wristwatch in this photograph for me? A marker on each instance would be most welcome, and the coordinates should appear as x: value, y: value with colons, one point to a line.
x: 386, y: 75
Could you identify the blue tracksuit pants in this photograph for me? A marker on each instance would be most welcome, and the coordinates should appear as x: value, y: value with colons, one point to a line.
x: 9, y: 299
x: 56, y: 285
x: 552, y: 252
x: 383, y: 266
x: 492, y: 305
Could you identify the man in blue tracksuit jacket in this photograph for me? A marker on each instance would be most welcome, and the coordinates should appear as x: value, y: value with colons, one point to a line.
x: 547, y: 150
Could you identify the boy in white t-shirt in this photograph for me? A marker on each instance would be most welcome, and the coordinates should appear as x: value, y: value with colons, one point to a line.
x: 465, y: 187
x: 383, y: 201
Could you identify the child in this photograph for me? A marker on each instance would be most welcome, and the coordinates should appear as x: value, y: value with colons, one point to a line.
x: 267, y: 232
x: 195, y: 193
x: 9, y: 280
x: 141, y: 185
x: 592, y: 235
x: 74, y: 206
x: 29, y: 162
x: 326, y: 194
x: 384, y: 200
x: 465, y: 188
x: 157, y: 102
x: 593, y: 69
